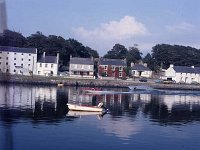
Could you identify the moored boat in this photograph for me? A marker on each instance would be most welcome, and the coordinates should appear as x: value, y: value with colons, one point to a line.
x: 99, y: 108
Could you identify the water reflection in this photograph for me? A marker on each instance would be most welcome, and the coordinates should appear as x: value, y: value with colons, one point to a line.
x: 37, y: 104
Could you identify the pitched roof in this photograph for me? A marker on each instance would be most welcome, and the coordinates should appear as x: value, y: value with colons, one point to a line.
x: 185, y: 69
x: 18, y: 49
x: 48, y: 59
x: 116, y: 62
x: 84, y: 61
x: 140, y: 67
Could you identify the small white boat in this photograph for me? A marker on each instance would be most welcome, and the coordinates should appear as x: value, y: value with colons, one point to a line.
x: 98, y: 108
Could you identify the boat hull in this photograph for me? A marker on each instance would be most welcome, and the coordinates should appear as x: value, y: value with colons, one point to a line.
x: 84, y: 108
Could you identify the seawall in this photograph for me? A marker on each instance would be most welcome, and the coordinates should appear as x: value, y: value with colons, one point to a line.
x: 53, y: 81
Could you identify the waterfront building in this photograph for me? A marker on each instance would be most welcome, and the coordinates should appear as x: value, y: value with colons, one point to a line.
x: 81, y: 67
x: 140, y: 70
x: 15, y: 60
x: 48, y: 65
x: 112, y: 68
x: 183, y: 74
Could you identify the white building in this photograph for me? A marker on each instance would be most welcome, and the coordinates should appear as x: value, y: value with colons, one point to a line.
x: 15, y: 60
x: 183, y: 74
x: 48, y: 65
x: 140, y: 70
x: 81, y: 67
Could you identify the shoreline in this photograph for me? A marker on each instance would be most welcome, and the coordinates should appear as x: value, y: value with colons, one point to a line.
x: 54, y: 81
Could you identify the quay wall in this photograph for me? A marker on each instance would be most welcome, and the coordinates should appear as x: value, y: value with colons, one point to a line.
x: 54, y: 81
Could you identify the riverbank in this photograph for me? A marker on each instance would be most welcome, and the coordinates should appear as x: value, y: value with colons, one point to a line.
x: 54, y: 81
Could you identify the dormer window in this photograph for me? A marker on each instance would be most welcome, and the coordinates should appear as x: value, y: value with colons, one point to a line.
x: 105, y: 67
x: 120, y: 68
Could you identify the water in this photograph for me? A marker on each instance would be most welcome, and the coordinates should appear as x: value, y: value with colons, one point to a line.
x: 36, y: 117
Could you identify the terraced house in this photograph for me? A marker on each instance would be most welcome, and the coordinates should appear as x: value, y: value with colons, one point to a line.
x: 112, y: 68
x: 15, y: 60
x: 81, y: 67
x: 48, y: 65
x: 183, y: 74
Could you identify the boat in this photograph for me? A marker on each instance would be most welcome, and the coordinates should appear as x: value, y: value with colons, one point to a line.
x: 60, y: 84
x: 144, y: 88
x: 99, y: 108
x: 91, y: 90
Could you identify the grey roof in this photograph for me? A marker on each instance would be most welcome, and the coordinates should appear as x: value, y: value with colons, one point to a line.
x: 18, y: 49
x: 84, y: 61
x: 140, y: 67
x: 48, y: 59
x: 116, y: 62
x: 185, y: 69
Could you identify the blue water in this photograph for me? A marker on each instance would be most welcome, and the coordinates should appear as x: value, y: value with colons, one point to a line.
x: 36, y: 118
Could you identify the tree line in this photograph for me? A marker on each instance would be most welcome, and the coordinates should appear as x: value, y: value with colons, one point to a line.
x: 160, y: 56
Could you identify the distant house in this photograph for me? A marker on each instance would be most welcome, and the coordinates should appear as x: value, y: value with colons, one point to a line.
x: 140, y: 70
x: 15, y: 60
x: 81, y: 67
x: 48, y: 65
x: 114, y: 68
x: 183, y: 74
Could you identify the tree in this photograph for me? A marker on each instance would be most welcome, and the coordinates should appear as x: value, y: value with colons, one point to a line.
x: 133, y: 55
x: 117, y: 52
x: 11, y: 38
x: 164, y: 55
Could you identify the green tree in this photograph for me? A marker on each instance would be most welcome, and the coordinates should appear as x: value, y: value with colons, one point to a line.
x: 133, y: 55
x: 117, y: 52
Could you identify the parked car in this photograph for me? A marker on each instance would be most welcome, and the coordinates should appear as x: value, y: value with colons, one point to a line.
x: 143, y: 80
x: 169, y: 81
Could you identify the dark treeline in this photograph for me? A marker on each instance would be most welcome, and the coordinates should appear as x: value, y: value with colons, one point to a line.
x: 50, y: 44
x: 161, y: 56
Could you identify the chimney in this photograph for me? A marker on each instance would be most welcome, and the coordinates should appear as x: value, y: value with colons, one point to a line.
x: 132, y: 64
x: 44, y: 53
x: 57, y: 58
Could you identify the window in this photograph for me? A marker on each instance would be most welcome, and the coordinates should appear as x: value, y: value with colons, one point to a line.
x: 51, y: 65
x: 14, y: 58
x: 29, y: 59
x: 6, y: 58
x: 0, y: 63
x: 15, y: 53
x: 38, y: 72
x: 29, y: 54
x: 46, y: 65
x: 22, y: 53
x: 40, y: 64
x: 14, y: 70
x: 29, y: 64
x: 7, y: 70
x: 7, y: 52
x: 0, y: 57
x: 120, y: 68
x: 105, y: 67
x: 120, y: 74
x: 14, y: 64
x: 22, y: 59
x: 22, y: 65
x: 6, y: 63
x: 113, y: 67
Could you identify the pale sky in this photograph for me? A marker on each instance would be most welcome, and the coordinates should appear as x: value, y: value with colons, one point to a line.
x: 100, y: 24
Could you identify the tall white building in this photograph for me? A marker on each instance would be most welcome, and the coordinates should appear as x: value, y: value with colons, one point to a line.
x: 48, y: 65
x: 15, y: 60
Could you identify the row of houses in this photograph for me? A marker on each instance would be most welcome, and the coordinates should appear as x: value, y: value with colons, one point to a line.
x: 25, y: 61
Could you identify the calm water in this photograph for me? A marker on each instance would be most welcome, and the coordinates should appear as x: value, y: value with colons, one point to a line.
x: 36, y: 118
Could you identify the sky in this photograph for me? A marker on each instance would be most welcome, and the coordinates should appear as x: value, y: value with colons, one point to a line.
x: 100, y: 24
